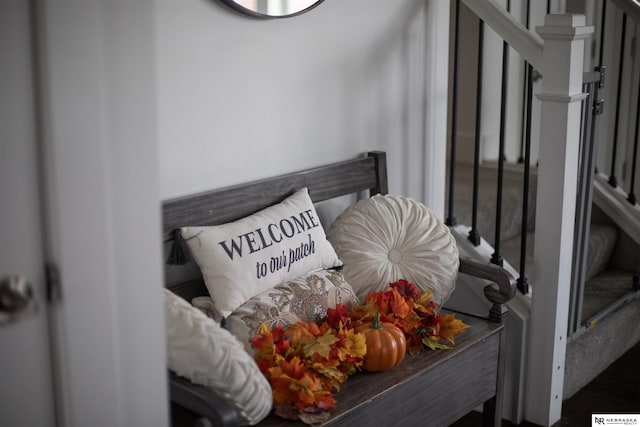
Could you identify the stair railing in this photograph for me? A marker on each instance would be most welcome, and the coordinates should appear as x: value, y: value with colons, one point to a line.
x: 560, y: 59
x: 623, y: 175
x: 528, y: 44
x: 531, y: 44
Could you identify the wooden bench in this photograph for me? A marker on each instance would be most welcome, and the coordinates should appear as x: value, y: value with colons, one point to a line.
x: 432, y: 388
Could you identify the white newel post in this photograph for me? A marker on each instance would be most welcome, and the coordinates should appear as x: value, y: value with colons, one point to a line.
x: 555, y: 211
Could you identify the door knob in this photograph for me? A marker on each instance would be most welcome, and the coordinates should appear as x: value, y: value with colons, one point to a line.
x: 17, y: 300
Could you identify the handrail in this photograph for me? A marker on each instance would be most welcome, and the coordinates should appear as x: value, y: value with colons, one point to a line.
x: 525, y: 42
x: 499, y: 291
x: 630, y: 7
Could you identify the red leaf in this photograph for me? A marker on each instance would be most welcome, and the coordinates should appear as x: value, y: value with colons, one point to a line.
x: 406, y: 289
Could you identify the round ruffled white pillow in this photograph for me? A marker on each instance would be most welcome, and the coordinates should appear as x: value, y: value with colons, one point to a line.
x: 386, y: 238
x: 200, y: 350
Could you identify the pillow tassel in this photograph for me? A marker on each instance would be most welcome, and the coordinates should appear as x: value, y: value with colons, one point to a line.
x: 179, y: 254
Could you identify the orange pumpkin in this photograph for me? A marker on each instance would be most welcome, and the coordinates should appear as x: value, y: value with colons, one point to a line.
x: 386, y: 345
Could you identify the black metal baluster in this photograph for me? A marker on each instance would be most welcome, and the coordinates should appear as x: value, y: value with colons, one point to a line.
x: 601, y: 67
x: 474, y: 235
x: 496, y: 258
x: 602, y: 28
x: 525, y: 81
x: 612, y: 177
x: 523, y: 283
x: 632, y: 196
x: 451, y: 219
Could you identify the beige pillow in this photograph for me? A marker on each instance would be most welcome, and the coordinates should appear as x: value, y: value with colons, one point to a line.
x: 241, y: 259
x: 306, y: 299
x: 386, y: 238
x: 200, y: 350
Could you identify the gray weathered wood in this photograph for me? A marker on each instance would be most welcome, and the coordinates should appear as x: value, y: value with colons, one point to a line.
x: 433, y: 388
x: 231, y: 203
x: 203, y: 401
x: 501, y: 287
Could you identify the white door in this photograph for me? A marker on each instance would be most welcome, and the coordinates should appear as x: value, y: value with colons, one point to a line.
x: 96, y: 110
x: 26, y: 387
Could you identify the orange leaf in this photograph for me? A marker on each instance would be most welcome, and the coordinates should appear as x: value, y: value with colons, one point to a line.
x: 450, y: 327
x: 408, y: 324
x: 398, y: 304
x: 380, y: 300
x: 322, y: 345
x: 294, y: 368
x: 425, y: 305
x: 363, y: 313
x: 302, y: 332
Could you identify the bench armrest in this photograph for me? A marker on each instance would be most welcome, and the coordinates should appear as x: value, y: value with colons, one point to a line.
x: 215, y: 411
x: 499, y: 291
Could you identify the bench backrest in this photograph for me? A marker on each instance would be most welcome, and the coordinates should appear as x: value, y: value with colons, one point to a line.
x: 367, y: 173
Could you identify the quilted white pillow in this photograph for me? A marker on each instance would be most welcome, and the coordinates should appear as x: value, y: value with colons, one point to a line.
x: 243, y: 258
x: 386, y: 238
x: 200, y: 350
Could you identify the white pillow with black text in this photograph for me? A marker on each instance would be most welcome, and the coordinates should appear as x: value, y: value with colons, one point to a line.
x: 241, y: 259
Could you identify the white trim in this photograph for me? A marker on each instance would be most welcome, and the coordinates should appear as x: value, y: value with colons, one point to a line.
x: 469, y: 298
x: 526, y: 43
x: 565, y: 27
x: 555, y: 216
x: 563, y: 99
x: 613, y: 202
x: 435, y: 119
x: 630, y: 7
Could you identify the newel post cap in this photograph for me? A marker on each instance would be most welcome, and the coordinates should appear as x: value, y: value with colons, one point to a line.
x: 564, y: 26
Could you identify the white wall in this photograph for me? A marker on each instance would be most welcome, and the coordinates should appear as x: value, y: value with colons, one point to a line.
x: 241, y: 99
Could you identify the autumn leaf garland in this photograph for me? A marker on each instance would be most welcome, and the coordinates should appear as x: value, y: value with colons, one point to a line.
x: 306, y: 362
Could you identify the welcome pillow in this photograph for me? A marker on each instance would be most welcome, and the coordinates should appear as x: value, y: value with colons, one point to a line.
x: 244, y: 258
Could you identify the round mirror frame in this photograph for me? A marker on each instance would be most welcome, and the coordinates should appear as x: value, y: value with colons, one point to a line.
x: 239, y: 8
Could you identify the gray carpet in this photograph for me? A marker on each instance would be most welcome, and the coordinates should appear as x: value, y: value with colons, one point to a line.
x: 602, y: 242
x: 487, y: 194
x: 593, y: 351
x: 603, y: 290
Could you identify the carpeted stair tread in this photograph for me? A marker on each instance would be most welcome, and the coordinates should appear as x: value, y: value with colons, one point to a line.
x: 510, y: 249
x: 603, y: 290
x: 602, y: 242
x: 487, y: 183
x: 590, y: 353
